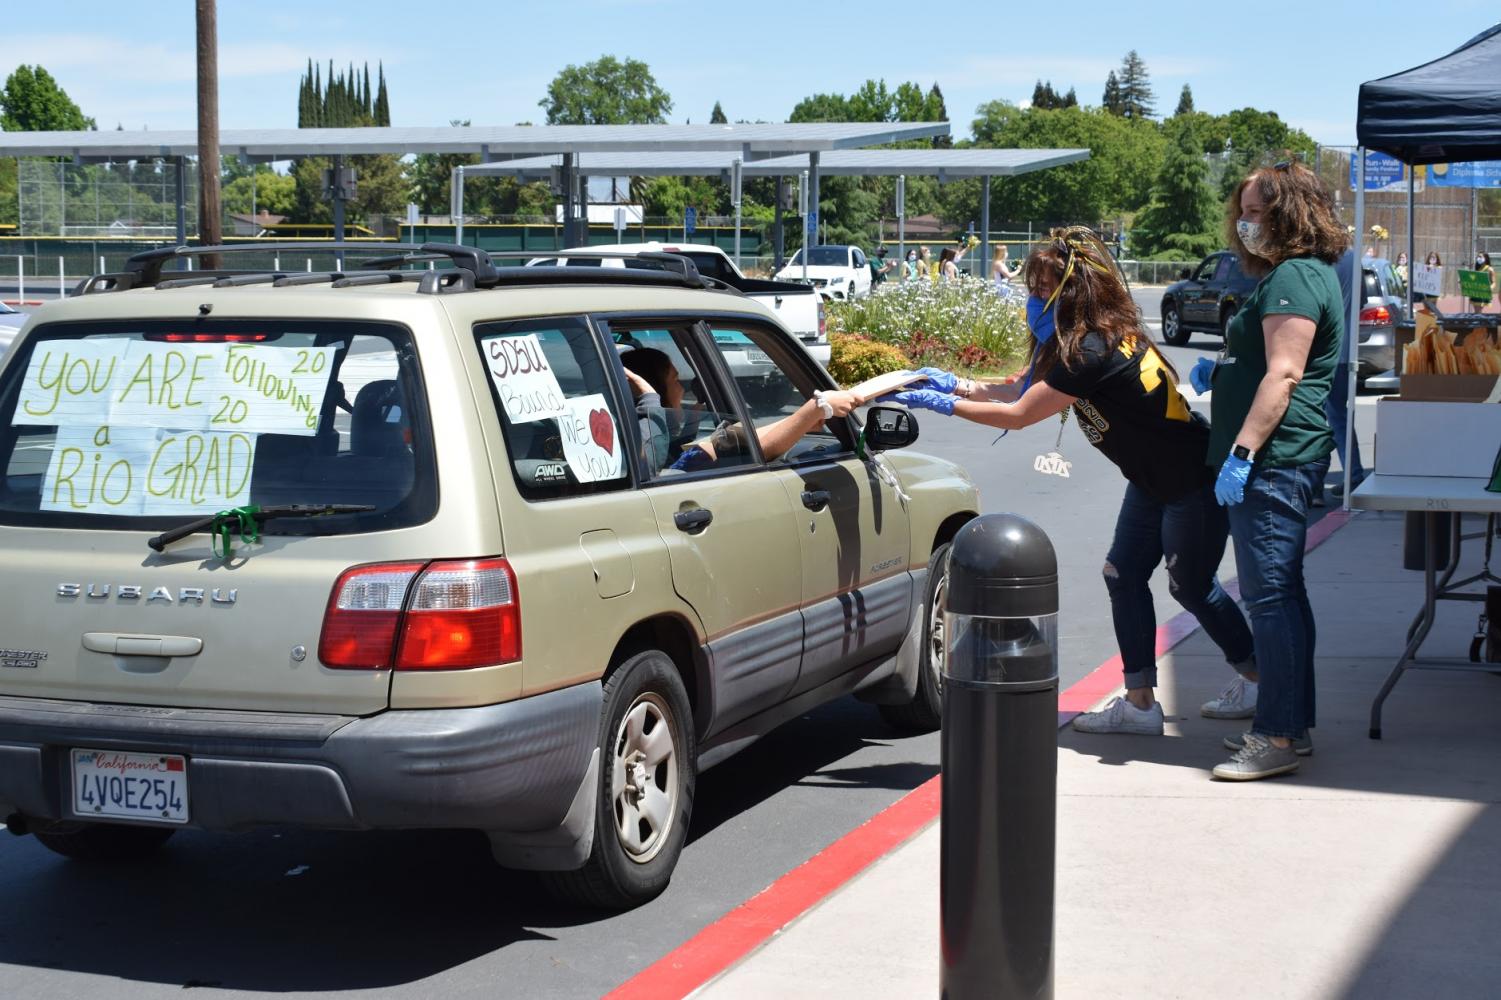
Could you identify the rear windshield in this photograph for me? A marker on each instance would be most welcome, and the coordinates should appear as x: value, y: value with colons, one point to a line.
x: 142, y: 426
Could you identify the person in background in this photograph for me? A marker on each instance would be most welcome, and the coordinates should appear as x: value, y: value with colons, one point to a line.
x: 1336, y: 407
x: 1433, y: 261
x: 1483, y: 264
x: 880, y: 266
x: 1001, y: 272
x: 1091, y: 354
x: 925, y: 266
x: 909, y: 269
x: 1401, y: 266
x: 948, y: 264
x: 1270, y: 438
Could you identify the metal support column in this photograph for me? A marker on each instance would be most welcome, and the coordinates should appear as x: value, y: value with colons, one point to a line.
x: 182, y: 201
x: 568, y: 191
x: 812, y: 200
x: 776, y: 226
x: 985, y: 229
x: 737, y: 173
x: 1411, y: 239
x: 456, y: 204
x: 901, y: 222
x: 1353, y: 319
x: 338, y: 191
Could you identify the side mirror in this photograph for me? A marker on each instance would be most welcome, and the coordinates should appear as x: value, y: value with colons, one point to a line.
x: 889, y: 427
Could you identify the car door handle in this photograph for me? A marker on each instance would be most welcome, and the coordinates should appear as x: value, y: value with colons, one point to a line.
x: 693, y: 520
x: 816, y: 499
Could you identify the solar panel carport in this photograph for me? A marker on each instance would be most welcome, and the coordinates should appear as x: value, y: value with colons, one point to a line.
x: 945, y: 164
x: 490, y: 143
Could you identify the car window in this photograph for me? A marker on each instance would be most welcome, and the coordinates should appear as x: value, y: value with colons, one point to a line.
x: 823, y: 257
x: 701, y: 432
x: 1206, y: 269
x: 774, y: 385
x: 710, y: 265
x: 130, y: 425
x: 1222, y: 269
x: 556, y: 404
x: 859, y: 257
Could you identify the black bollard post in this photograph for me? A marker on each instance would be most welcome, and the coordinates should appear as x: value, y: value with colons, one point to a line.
x: 1000, y: 764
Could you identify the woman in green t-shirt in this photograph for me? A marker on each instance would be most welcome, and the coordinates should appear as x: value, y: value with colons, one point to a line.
x: 1271, y: 440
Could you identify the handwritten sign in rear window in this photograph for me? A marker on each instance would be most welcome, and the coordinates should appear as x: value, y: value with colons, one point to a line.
x: 225, y: 387
x: 140, y: 470
x: 525, y: 382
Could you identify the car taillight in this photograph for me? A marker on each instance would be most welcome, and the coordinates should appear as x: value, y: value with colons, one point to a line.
x: 1378, y: 315
x: 363, y: 615
x: 461, y: 614
x: 444, y: 615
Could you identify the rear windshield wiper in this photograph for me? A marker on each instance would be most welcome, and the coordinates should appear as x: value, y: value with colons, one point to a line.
x: 247, y: 521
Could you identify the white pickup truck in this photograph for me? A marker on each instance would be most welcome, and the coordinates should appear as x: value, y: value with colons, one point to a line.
x: 799, y: 307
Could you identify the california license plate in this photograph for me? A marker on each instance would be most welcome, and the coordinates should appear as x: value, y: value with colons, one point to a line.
x: 143, y: 786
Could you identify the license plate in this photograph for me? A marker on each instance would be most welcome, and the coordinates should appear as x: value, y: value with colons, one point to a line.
x: 143, y: 786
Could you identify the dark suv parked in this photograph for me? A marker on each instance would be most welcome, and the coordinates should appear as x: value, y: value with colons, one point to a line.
x: 1206, y: 300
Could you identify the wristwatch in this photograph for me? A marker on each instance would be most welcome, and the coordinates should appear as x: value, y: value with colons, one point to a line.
x: 1241, y: 452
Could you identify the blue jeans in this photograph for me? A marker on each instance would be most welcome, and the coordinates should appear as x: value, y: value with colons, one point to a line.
x: 1191, y: 533
x: 1269, y: 529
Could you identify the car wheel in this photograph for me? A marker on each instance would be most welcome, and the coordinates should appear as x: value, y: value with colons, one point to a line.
x: 646, y: 782
x: 1226, y: 315
x: 104, y: 843
x: 924, y: 712
x: 1173, y: 331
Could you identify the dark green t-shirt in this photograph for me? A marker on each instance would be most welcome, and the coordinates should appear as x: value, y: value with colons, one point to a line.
x: 1307, y: 287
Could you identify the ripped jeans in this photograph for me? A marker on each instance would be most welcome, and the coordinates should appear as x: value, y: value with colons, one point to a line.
x: 1191, y: 533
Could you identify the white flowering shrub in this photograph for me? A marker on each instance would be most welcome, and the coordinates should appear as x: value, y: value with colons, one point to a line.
x: 962, y: 323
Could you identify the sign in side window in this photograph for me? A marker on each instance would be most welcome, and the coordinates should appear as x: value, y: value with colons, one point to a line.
x: 563, y: 434
x: 155, y: 423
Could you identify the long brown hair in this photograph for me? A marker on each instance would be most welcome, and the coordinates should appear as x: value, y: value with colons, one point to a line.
x: 1297, y: 216
x: 1091, y: 296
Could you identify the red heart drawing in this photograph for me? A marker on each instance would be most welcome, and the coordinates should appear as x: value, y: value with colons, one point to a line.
x: 603, y: 429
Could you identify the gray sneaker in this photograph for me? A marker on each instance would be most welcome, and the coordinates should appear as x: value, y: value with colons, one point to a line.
x: 1302, y: 746
x: 1259, y: 758
x: 1237, y: 701
x: 1120, y: 716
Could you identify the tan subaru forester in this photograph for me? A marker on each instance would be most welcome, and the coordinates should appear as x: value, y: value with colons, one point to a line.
x: 395, y: 546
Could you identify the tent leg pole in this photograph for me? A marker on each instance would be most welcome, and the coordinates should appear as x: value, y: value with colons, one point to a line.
x: 1354, y: 322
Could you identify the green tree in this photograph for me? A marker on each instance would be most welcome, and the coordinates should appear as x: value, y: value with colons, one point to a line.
x: 1185, y: 102
x: 1125, y: 157
x: 262, y: 191
x: 821, y: 108
x: 346, y: 101
x: 33, y: 102
x: 1181, y: 221
x: 606, y: 92
x: 1111, y: 100
x: 1136, y: 97
x: 716, y: 117
x: 934, y: 110
x: 1247, y: 136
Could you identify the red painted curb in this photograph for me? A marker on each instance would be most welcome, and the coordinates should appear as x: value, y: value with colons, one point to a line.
x: 745, y: 928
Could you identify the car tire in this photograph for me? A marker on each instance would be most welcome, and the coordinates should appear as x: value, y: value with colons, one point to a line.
x: 105, y: 843
x: 1173, y: 330
x: 636, y: 849
x: 1226, y: 315
x: 924, y: 713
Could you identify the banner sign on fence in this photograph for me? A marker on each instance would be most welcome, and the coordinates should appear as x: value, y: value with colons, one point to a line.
x: 1475, y: 285
x: 1427, y: 280
x: 1484, y: 174
x: 1383, y: 173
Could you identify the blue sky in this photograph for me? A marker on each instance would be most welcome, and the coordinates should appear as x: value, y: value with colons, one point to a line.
x: 491, y: 63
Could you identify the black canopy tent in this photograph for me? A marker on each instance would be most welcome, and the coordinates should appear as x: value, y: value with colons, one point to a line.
x: 1447, y: 110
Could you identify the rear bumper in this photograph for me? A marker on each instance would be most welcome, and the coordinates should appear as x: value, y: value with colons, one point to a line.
x: 1376, y: 349
x: 515, y: 767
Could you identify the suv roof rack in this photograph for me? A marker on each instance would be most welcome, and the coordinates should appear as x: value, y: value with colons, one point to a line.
x: 472, y: 269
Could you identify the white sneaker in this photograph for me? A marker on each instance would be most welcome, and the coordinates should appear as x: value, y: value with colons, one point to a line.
x: 1238, y: 701
x: 1120, y: 716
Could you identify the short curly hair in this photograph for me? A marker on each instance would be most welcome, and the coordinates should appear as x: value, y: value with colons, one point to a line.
x: 1297, y: 216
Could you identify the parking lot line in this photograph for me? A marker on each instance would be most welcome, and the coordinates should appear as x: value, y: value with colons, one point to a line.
x: 744, y: 929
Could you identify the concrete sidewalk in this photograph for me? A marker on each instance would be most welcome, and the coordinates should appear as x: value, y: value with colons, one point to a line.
x: 1372, y: 872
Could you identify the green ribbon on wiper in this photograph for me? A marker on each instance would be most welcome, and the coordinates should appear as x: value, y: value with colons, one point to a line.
x: 227, y: 522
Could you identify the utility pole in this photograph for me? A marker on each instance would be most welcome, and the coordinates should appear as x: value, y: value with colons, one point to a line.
x: 209, y: 231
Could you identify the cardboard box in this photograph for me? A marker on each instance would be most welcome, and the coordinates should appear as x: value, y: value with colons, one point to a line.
x: 1420, y: 438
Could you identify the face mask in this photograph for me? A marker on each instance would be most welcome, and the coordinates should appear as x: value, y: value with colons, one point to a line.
x: 1479, y: 261
x: 1041, y: 319
x: 1252, y: 235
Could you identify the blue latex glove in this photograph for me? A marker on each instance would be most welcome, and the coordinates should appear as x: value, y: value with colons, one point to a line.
x: 927, y: 399
x: 939, y: 379
x: 1230, y: 487
x: 1199, y: 378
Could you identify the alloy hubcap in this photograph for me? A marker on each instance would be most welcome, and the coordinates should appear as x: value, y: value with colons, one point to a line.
x: 936, y: 641
x: 644, y: 781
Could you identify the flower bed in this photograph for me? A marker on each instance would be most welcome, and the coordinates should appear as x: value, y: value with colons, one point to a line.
x: 958, y: 324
